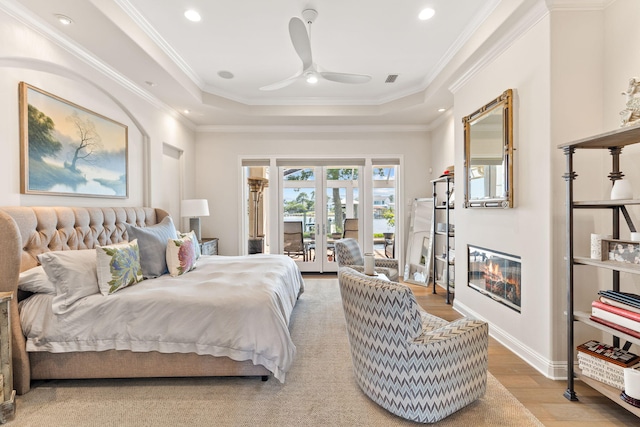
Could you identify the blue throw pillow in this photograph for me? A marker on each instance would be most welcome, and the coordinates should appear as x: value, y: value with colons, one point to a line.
x: 152, y: 242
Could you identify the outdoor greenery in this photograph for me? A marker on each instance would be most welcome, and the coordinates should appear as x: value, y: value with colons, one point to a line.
x: 303, y: 204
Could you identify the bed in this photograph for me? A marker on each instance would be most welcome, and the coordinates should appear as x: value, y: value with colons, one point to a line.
x: 227, y: 317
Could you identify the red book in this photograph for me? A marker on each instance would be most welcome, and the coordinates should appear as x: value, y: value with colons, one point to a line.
x: 617, y: 310
x: 617, y: 327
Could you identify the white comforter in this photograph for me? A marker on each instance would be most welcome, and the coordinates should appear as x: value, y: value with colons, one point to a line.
x: 237, y: 307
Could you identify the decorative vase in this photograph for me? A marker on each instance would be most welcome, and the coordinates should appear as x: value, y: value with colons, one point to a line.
x: 621, y: 190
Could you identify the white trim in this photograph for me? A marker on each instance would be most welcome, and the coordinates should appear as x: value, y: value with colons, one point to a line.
x: 21, y: 14
x: 276, y: 188
x: 150, y: 31
x: 555, y: 5
x: 550, y: 369
x: 517, y: 30
x: 312, y: 129
x: 463, y: 38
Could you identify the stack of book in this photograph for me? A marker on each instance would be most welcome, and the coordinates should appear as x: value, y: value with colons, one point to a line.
x: 605, y: 363
x: 619, y: 311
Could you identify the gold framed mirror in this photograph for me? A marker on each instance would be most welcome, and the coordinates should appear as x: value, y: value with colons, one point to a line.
x: 488, y: 154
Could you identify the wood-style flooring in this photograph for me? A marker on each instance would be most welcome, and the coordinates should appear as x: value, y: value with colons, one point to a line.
x: 542, y: 396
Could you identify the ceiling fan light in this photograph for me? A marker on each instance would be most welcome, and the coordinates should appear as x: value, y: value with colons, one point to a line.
x: 311, y: 78
x: 426, y: 14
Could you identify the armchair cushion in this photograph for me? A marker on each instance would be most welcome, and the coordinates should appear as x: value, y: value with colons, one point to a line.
x: 349, y: 254
x: 415, y: 365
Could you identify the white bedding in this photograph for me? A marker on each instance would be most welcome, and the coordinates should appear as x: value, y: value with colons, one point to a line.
x: 236, y: 306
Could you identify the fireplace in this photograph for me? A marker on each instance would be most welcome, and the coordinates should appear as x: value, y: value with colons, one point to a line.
x: 496, y: 275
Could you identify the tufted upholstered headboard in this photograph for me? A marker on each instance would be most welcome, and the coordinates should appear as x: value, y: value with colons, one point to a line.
x: 26, y: 232
x: 43, y: 229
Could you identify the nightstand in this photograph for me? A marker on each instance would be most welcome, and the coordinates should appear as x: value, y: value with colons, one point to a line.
x: 209, y: 246
x: 7, y: 393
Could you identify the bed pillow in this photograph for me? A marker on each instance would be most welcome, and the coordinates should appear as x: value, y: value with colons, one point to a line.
x: 181, y: 256
x: 73, y: 274
x: 35, y: 280
x: 196, y: 245
x: 118, y: 266
x: 152, y: 242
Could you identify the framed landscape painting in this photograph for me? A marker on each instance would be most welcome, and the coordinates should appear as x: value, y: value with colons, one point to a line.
x: 69, y: 150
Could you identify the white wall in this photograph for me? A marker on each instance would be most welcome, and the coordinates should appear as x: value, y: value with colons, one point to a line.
x: 26, y: 55
x: 443, y: 147
x: 524, y: 231
x: 219, y: 179
x: 567, y: 72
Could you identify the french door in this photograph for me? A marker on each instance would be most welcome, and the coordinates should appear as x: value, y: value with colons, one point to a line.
x: 316, y: 200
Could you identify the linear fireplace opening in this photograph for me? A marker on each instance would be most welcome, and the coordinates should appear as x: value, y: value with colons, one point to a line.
x: 496, y: 275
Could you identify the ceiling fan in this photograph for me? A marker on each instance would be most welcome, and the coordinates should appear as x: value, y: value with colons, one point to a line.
x: 310, y: 70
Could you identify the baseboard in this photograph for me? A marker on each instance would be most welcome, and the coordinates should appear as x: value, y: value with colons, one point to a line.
x: 551, y: 369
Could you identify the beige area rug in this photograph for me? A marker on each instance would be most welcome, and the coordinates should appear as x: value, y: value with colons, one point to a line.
x: 320, y: 390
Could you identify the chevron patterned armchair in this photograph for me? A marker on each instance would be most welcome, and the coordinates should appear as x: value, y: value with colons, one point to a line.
x: 413, y: 364
x: 349, y: 254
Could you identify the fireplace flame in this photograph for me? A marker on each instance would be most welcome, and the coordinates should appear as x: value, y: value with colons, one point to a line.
x: 493, y: 273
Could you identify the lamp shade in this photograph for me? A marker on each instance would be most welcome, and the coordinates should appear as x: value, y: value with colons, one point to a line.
x: 195, y: 207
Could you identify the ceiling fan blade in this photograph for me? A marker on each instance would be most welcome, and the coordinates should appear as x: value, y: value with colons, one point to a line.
x: 345, y: 77
x: 300, y: 40
x: 283, y: 83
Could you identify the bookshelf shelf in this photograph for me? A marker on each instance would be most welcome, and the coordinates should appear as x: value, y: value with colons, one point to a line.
x: 443, y: 241
x: 614, y: 142
x: 583, y: 317
x: 608, y: 391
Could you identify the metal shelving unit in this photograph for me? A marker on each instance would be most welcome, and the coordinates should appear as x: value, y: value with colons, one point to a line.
x: 614, y: 142
x: 443, y: 260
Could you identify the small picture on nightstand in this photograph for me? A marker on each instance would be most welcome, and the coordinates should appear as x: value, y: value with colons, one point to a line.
x: 209, y: 246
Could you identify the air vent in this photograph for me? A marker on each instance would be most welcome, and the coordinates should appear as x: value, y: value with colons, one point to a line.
x: 391, y: 78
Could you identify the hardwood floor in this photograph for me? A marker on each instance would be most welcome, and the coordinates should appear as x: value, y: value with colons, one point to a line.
x: 542, y: 396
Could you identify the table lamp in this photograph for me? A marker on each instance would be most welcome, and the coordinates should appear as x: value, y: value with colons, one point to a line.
x: 195, y: 208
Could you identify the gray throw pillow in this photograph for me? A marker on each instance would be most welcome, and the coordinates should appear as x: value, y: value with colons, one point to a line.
x: 152, y: 242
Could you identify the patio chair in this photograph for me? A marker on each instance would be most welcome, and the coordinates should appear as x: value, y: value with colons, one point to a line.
x: 412, y: 363
x: 350, y: 228
x: 349, y: 254
x: 294, y: 240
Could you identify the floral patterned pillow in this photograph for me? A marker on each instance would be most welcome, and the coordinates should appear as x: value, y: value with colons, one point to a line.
x: 192, y: 236
x: 118, y: 266
x: 181, y: 256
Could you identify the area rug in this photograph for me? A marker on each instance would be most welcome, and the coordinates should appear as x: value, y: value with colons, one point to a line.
x: 320, y: 389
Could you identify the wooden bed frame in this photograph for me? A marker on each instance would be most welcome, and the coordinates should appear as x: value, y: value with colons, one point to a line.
x: 26, y: 232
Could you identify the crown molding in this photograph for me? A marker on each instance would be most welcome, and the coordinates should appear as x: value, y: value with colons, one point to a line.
x: 464, y: 37
x: 151, y: 32
x: 530, y: 19
x: 555, y: 5
x: 21, y: 14
x: 312, y: 129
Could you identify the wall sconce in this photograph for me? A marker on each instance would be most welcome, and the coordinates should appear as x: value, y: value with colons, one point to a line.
x: 195, y: 208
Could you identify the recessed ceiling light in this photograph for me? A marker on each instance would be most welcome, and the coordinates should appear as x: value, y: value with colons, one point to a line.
x: 192, y: 15
x: 63, y: 19
x: 441, y: 110
x: 187, y: 111
x: 225, y: 74
x: 150, y: 83
x: 426, y: 14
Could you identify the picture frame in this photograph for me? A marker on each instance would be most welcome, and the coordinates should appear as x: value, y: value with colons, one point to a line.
x: 66, y: 149
x: 623, y: 251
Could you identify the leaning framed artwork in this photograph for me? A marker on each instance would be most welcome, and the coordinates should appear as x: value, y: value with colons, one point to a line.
x: 69, y: 150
